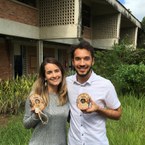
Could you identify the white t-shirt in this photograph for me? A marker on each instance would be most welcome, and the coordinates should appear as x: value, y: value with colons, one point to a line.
x: 90, y: 128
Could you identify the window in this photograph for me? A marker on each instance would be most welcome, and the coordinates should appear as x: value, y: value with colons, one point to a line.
x: 86, y: 15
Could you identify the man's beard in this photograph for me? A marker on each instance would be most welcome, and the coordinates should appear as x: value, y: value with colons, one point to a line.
x: 84, y: 75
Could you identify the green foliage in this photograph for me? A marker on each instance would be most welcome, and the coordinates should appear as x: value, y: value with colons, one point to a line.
x: 143, y: 23
x: 70, y: 72
x: 103, y: 63
x: 13, y: 93
x: 124, y: 66
x: 141, y: 37
x: 130, y: 78
x: 122, y: 50
x: 107, y: 62
x: 14, y: 133
x: 135, y: 57
x: 129, y: 130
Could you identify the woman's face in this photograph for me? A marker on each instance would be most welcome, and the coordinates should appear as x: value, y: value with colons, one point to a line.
x: 53, y: 74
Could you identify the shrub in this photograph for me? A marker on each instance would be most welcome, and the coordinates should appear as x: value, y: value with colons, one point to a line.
x: 136, y: 57
x: 124, y: 66
x: 106, y: 63
x: 13, y: 94
x: 130, y: 78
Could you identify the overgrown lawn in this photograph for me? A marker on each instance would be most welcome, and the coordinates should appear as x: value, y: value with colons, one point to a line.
x: 130, y: 130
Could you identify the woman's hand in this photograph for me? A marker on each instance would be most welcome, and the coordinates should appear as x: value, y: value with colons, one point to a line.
x: 37, y: 103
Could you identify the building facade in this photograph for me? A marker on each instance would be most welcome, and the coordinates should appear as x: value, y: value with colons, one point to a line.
x: 31, y: 30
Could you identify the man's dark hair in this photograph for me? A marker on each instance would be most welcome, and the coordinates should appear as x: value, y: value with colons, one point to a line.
x: 82, y: 45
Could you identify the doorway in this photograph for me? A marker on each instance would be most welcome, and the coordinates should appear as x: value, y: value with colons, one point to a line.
x: 18, y: 65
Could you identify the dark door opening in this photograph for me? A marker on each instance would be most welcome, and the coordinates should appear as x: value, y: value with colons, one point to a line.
x: 18, y: 65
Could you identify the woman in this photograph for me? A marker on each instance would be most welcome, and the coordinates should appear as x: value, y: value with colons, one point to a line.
x: 49, y: 116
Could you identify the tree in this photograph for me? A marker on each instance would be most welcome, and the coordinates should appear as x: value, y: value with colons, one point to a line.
x: 143, y: 24
x: 141, y: 38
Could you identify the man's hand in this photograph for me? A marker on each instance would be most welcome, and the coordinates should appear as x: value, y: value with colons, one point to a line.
x: 114, y: 114
x: 93, y: 107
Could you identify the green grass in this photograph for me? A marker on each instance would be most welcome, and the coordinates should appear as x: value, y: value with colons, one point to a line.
x: 130, y: 130
x: 14, y: 133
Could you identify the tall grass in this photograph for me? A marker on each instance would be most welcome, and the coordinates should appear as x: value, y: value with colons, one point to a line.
x: 14, y: 133
x: 130, y: 130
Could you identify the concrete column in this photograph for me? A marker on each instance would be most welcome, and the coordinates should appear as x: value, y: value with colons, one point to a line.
x: 136, y: 35
x: 39, y: 53
x: 118, y: 26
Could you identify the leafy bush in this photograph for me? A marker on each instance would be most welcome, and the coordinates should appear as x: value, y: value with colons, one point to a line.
x: 122, y: 50
x: 106, y: 63
x: 136, y: 57
x: 13, y: 93
x: 130, y: 78
x: 124, y: 66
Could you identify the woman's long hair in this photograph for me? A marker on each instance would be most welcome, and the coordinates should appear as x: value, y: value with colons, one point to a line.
x: 40, y: 87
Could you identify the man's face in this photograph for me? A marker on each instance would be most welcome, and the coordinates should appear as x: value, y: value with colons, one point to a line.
x: 82, y: 62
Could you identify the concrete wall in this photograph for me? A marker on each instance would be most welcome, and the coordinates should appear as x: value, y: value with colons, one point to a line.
x: 59, y: 20
x: 105, y: 31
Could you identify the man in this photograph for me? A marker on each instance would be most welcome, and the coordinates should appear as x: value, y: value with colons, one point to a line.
x: 88, y: 124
